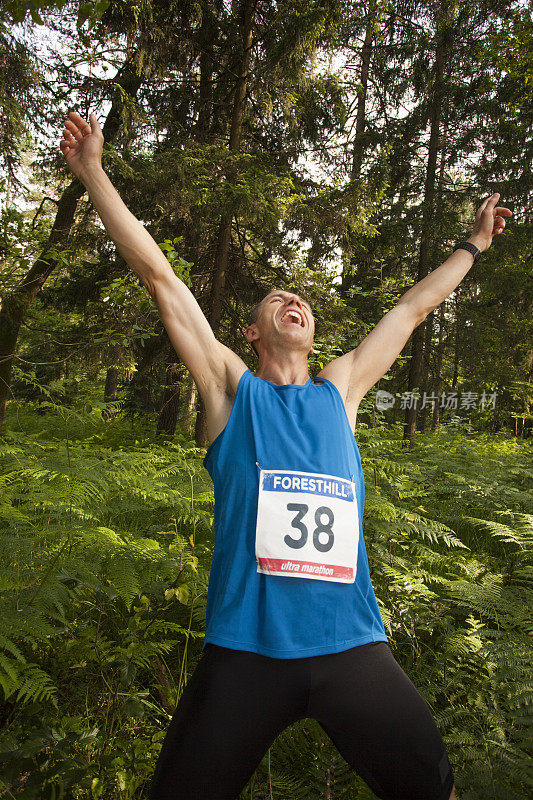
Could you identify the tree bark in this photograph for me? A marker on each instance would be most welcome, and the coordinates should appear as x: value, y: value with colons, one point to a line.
x: 200, y: 424
x: 359, y: 143
x: 472, y: 348
x: 456, y: 345
x: 218, y: 277
x: 424, y: 380
x: 139, y: 396
x: 428, y: 209
x: 15, y: 305
x: 360, y: 121
x: 428, y: 339
x: 218, y: 281
x: 110, y: 389
x: 438, y: 368
x: 189, y: 403
x: 168, y: 416
x: 207, y: 37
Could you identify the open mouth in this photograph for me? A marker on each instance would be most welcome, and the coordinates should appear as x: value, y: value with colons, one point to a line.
x: 294, y: 317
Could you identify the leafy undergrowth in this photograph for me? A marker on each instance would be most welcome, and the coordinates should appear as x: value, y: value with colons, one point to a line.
x: 106, y: 538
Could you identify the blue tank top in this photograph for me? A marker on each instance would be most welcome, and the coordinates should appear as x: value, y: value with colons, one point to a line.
x: 291, y: 427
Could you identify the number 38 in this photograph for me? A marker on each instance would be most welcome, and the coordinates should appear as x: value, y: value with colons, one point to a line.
x: 297, y: 523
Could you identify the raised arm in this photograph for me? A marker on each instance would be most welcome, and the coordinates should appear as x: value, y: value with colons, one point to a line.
x: 357, y: 371
x: 214, y: 367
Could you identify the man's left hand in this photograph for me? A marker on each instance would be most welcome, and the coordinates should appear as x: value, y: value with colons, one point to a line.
x: 489, y: 222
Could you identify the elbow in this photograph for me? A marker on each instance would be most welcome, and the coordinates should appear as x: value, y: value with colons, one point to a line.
x: 416, y: 312
x: 149, y: 284
x: 419, y: 319
x: 151, y: 279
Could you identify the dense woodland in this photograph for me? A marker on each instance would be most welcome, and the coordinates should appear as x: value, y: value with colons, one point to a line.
x: 338, y: 148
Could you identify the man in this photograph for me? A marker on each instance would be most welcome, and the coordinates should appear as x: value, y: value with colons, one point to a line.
x: 293, y: 629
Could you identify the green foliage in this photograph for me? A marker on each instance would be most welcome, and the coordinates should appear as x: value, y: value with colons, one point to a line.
x: 105, y: 535
x: 449, y: 534
x: 106, y: 544
x: 18, y: 10
x: 449, y: 531
x: 105, y: 558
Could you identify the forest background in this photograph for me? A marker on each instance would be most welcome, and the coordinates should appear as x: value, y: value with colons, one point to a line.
x: 339, y: 148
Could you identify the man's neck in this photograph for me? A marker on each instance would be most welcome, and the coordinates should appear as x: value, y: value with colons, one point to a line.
x: 285, y: 369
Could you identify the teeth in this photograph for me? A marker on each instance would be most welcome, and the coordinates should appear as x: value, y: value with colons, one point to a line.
x: 295, y: 315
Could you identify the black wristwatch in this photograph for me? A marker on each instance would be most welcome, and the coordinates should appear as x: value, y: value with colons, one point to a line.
x: 476, y: 252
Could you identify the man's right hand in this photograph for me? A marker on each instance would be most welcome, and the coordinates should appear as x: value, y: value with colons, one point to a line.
x: 82, y: 144
x: 215, y: 368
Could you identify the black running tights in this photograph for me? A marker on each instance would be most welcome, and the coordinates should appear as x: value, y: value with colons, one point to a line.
x: 237, y: 702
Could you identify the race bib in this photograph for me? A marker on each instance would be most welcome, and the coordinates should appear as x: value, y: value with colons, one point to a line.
x: 307, y: 526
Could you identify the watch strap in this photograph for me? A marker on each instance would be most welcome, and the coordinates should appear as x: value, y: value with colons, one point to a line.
x: 476, y: 252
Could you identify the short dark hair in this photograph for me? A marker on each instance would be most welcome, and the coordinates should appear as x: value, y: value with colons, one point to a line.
x: 254, y: 313
x: 252, y: 318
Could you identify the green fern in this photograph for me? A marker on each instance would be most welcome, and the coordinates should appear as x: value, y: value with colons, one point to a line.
x: 105, y: 550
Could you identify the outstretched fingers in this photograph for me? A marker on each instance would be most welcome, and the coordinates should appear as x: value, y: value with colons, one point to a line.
x: 95, y: 125
x: 68, y: 142
x: 483, y: 206
x: 78, y: 126
x: 81, y: 123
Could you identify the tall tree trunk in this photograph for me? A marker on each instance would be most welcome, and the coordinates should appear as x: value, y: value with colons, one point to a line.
x: 428, y: 210
x: 428, y: 339
x: 110, y: 388
x: 424, y: 378
x: 200, y: 424
x: 8, y: 191
x: 360, y: 122
x: 472, y: 348
x: 438, y: 368
x: 202, y: 131
x: 207, y: 37
x: 191, y: 402
x: 456, y: 344
x: 15, y: 305
x: 218, y: 282
x: 139, y: 393
x: 168, y: 415
x: 246, y: 11
x: 111, y: 379
x: 358, y: 150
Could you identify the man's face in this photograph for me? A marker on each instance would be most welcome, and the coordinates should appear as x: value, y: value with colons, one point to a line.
x: 283, y: 316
